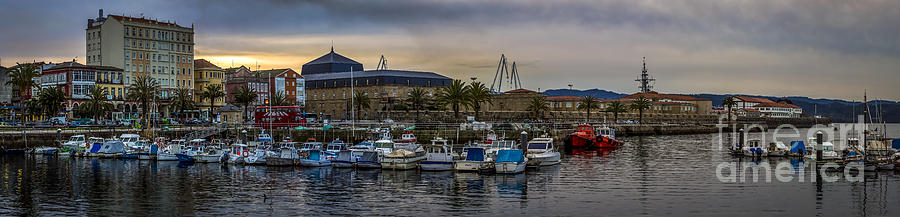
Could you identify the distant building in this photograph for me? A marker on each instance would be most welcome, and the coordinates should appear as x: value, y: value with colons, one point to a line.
x: 207, y: 74
x: 672, y: 103
x: 513, y: 100
x: 243, y: 77
x: 75, y: 80
x: 287, y: 82
x: 328, y: 86
x: 744, y: 102
x: 231, y: 85
x: 5, y: 90
x: 778, y: 110
x: 140, y: 46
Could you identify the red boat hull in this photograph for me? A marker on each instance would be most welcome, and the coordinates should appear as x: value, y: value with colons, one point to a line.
x: 580, y: 142
x: 606, y: 142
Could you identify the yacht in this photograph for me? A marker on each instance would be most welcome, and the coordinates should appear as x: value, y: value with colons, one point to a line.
x: 541, y: 152
x: 438, y: 156
x: 510, y: 161
x: 169, y: 151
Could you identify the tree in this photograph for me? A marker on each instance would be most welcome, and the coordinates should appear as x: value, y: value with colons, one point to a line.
x: 22, y: 77
x: 729, y: 102
x: 361, y: 101
x: 417, y: 100
x: 278, y: 99
x: 640, y: 104
x: 51, y: 99
x: 183, y: 101
x: 212, y: 92
x: 143, y: 91
x: 587, y: 103
x: 478, y: 94
x: 244, y: 96
x: 455, y: 95
x: 616, y: 107
x: 98, y: 103
x: 538, y: 106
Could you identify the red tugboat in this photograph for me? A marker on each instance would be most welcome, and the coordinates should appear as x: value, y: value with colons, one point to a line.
x: 586, y: 137
x: 583, y: 137
x: 607, y: 138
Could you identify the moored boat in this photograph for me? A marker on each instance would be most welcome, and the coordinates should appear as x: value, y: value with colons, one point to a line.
x: 315, y: 158
x: 476, y: 159
x: 606, y: 138
x: 541, y: 152
x: 583, y: 137
x: 510, y: 161
x: 438, y: 156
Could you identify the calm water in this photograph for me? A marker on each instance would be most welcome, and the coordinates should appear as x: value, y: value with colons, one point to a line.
x: 651, y: 176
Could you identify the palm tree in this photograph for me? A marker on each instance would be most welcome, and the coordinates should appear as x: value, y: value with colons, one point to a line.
x: 244, y: 96
x: 22, y: 77
x: 212, y: 93
x: 456, y: 95
x: 51, y: 100
x: 587, y: 103
x: 278, y: 99
x: 98, y: 102
x: 538, y: 106
x: 616, y: 107
x: 729, y: 102
x: 361, y: 101
x: 417, y: 100
x: 640, y: 104
x: 478, y: 94
x: 143, y: 91
x: 183, y: 101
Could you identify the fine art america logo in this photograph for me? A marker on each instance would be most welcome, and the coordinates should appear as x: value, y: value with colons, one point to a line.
x: 812, y: 157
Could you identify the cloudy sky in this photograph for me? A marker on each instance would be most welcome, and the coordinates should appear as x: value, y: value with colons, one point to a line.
x: 815, y: 48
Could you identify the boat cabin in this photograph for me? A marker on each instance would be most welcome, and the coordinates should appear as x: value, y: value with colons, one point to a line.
x: 607, y: 132
x: 335, y: 146
x: 308, y: 146
x: 540, y: 145
x: 129, y: 138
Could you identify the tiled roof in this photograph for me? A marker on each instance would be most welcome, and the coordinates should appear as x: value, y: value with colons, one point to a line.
x: 562, y: 98
x: 202, y: 63
x: 374, y: 73
x: 655, y: 95
x: 332, y: 57
x: 520, y: 91
x: 753, y: 99
x: 73, y: 64
x: 274, y: 72
x: 143, y: 20
x: 775, y: 104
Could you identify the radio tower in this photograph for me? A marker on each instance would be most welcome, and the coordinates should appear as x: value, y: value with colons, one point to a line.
x: 645, y: 80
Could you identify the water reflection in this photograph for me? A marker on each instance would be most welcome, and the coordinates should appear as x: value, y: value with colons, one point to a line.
x: 667, y: 175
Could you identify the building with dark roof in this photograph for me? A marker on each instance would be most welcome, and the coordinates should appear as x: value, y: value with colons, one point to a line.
x: 330, y: 62
x: 328, y: 87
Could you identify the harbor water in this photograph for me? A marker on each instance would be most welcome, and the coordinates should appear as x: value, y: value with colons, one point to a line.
x: 648, y: 176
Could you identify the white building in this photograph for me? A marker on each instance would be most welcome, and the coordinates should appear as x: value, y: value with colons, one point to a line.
x: 778, y: 110
x: 161, y: 49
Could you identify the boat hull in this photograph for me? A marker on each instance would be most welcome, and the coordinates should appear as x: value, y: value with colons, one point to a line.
x: 509, y: 167
x: 401, y: 163
x: 185, y: 158
x: 543, y: 159
x: 578, y: 141
x: 368, y: 164
x: 342, y: 164
x: 606, y: 142
x: 282, y: 162
x: 472, y: 166
x: 314, y: 163
x: 436, y: 165
x: 166, y: 157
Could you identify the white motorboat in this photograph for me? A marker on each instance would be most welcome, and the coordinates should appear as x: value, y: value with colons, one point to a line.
x: 541, y: 152
x: 238, y: 152
x: 778, y: 149
x: 476, y: 159
x: 369, y: 159
x: 258, y: 156
x: 384, y: 146
x: 92, y: 147
x: 828, y: 151
x: 510, y: 161
x: 335, y: 146
x: 112, y: 149
x: 129, y: 140
x: 210, y: 152
x: 438, y: 156
x: 286, y: 155
x: 344, y: 159
x: 169, y: 151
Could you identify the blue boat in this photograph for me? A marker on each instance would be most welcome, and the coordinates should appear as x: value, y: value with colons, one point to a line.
x: 510, y: 161
x: 184, y: 158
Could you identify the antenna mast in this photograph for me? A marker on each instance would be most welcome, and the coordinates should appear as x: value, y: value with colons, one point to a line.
x: 645, y: 80
x: 382, y: 64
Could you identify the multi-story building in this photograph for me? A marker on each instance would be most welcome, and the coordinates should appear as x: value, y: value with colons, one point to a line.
x: 5, y: 90
x: 746, y: 102
x: 206, y: 74
x: 672, y: 103
x: 75, y: 80
x: 243, y: 77
x: 328, y: 86
x: 287, y: 82
x: 143, y: 47
x: 778, y: 110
